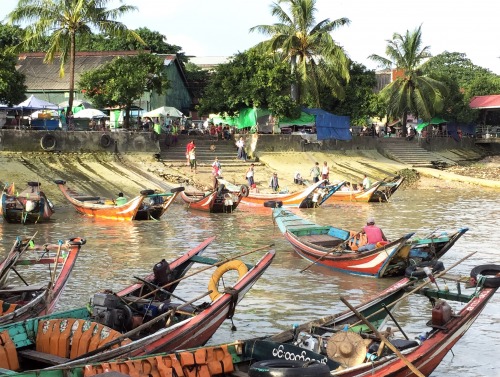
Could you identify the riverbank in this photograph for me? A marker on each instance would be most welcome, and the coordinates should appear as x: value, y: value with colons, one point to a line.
x: 108, y: 174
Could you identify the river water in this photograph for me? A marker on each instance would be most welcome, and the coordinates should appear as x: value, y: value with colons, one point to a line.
x: 117, y: 251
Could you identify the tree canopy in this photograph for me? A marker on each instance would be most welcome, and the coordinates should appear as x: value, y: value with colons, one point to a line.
x: 124, y: 80
x: 249, y: 80
x: 309, y: 48
x: 62, y: 21
x: 411, y: 92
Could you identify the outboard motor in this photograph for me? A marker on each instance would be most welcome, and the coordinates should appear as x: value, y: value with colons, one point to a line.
x: 162, y: 272
x: 110, y: 311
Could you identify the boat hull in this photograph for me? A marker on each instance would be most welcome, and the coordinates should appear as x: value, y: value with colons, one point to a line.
x: 215, y: 202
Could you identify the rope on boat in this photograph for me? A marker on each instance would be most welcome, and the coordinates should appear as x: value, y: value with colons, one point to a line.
x: 480, y: 279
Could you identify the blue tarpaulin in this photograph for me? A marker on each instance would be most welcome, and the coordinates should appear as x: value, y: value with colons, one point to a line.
x: 331, y: 126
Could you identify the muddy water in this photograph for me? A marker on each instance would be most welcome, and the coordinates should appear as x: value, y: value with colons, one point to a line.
x: 115, y: 252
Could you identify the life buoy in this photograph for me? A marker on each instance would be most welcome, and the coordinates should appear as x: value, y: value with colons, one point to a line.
x: 48, y: 142
x: 244, y: 191
x: 105, y: 141
x: 487, y: 269
x: 417, y: 270
x: 76, y: 241
x: 213, y: 284
x: 177, y: 189
x: 288, y: 368
x: 273, y: 204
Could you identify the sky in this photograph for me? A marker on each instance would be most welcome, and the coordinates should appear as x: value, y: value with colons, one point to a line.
x: 221, y: 27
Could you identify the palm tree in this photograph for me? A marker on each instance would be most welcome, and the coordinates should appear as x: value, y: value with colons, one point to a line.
x: 412, y: 92
x: 61, y: 21
x: 313, y: 54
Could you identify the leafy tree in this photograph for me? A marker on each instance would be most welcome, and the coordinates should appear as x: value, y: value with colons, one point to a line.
x: 151, y: 40
x: 250, y: 79
x: 308, y: 47
x: 197, y: 79
x: 412, y: 92
x: 360, y: 97
x: 12, y: 87
x: 9, y: 36
x: 62, y: 21
x: 124, y: 80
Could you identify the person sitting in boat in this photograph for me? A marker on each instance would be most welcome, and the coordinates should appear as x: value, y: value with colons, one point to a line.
x: 373, y: 234
x: 121, y: 200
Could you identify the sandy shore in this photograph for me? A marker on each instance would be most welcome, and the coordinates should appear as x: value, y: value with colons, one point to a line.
x: 107, y: 174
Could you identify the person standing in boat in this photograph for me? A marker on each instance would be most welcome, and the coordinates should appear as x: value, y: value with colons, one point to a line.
x: 273, y: 182
x: 373, y: 235
x: 366, y: 183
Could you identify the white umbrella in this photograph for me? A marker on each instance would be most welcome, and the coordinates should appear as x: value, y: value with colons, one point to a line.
x: 37, y: 104
x: 77, y: 103
x: 89, y: 114
x: 163, y: 111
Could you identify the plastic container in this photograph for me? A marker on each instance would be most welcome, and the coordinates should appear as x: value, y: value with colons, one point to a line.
x: 441, y: 313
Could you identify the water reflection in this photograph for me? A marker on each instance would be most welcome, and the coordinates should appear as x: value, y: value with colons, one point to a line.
x: 117, y: 251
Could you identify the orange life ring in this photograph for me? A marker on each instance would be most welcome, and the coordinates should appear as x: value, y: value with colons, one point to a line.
x: 213, y: 284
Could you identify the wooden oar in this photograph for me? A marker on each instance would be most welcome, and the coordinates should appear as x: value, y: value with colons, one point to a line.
x: 139, y: 328
x: 417, y: 288
x: 333, y: 250
x: 412, y: 367
x: 203, y: 269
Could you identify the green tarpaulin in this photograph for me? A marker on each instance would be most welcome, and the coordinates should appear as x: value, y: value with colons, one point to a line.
x: 304, y: 120
x: 246, y: 118
x: 434, y: 121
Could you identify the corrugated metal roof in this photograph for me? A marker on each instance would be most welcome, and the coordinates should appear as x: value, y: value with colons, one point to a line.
x: 42, y: 76
x: 485, y: 102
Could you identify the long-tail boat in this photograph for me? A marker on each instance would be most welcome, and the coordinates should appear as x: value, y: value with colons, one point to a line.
x: 138, y: 208
x: 31, y: 205
x: 379, y: 191
x: 222, y: 200
x: 337, y: 249
x: 345, y: 345
x: 22, y: 297
x: 146, y: 317
x: 312, y: 196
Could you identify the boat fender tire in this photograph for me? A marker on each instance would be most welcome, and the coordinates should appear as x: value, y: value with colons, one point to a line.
x: 105, y: 141
x: 273, y: 204
x: 288, y: 368
x: 59, y: 182
x: 34, y: 184
x: 417, y: 270
x: 147, y: 192
x: 244, y: 190
x: 488, y: 270
x: 213, y: 284
x: 177, y: 189
x: 77, y: 241
x: 48, y: 142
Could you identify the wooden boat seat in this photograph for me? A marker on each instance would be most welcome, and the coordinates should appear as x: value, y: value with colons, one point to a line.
x: 322, y: 240
x: 8, y: 354
x: 27, y: 288
x: 6, y: 308
x: 204, y: 362
x: 69, y: 338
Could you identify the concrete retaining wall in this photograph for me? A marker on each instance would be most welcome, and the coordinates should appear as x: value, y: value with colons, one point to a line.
x: 79, y: 141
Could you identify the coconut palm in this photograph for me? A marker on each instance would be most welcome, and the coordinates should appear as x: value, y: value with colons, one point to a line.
x: 61, y: 21
x: 313, y: 54
x: 411, y: 92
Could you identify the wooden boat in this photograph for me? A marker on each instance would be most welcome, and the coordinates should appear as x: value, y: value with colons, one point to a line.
x: 380, y: 191
x: 139, y: 208
x: 341, y: 349
x: 139, y: 320
x: 29, y: 206
x: 221, y: 201
x: 336, y: 248
x: 21, y: 298
x: 312, y: 196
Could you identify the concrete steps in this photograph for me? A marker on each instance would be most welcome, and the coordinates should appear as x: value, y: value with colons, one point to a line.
x: 409, y: 152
